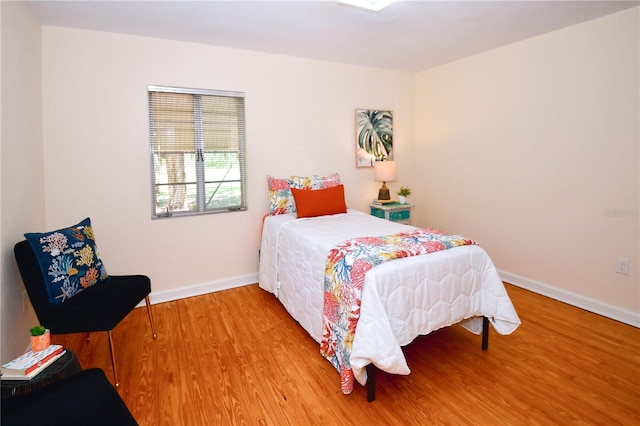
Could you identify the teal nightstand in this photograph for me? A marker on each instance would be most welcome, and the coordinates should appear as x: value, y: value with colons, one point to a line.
x: 395, y: 212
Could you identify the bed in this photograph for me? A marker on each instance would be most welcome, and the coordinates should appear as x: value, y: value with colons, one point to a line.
x: 400, y: 299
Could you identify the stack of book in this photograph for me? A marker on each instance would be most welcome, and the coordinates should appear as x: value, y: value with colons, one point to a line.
x: 29, y: 364
x: 384, y: 202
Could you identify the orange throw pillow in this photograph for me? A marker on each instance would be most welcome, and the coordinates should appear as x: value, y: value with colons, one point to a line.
x: 319, y: 202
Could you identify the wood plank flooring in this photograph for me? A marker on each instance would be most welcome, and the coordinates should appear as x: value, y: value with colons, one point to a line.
x: 237, y: 358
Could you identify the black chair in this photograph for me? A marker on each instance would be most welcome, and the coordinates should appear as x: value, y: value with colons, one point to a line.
x: 98, y: 308
x: 85, y: 398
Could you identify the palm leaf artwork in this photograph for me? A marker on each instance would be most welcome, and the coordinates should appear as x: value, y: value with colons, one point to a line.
x: 375, y: 133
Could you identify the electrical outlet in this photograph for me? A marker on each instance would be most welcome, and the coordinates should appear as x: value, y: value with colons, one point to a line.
x: 622, y: 265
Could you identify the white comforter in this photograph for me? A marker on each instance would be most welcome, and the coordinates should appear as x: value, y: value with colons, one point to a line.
x: 401, y: 299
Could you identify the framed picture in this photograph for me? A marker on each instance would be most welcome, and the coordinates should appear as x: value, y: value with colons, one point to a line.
x: 374, y: 136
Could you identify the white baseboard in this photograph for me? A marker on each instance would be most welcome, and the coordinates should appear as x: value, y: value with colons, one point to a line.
x: 618, y: 314
x: 199, y: 289
x: 615, y: 313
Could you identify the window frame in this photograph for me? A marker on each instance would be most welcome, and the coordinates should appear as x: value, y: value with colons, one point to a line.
x: 199, y: 153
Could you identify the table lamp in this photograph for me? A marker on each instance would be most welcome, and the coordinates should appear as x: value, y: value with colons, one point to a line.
x: 384, y: 171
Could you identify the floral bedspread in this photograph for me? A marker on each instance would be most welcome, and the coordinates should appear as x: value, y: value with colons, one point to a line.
x: 346, y: 266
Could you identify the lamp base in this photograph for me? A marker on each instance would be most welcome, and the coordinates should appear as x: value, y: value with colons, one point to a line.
x: 383, y: 193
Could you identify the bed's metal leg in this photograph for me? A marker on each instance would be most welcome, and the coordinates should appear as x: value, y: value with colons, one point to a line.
x: 371, y: 382
x: 485, y: 333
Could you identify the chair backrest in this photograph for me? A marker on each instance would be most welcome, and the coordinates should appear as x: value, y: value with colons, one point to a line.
x: 34, y: 282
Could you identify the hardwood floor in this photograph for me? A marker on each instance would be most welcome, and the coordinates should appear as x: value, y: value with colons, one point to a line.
x: 236, y: 357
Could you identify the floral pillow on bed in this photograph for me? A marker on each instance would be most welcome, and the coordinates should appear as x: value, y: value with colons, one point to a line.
x: 315, y: 181
x: 280, y: 199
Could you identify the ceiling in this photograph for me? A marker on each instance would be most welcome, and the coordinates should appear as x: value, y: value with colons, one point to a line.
x: 407, y: 35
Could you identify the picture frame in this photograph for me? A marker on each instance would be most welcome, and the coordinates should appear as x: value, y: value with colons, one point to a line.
x: 374, y: 136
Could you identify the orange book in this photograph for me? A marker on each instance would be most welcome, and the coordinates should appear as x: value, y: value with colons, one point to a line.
x: 29, y: 364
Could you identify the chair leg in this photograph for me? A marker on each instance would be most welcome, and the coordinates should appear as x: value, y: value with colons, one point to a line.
x: 153, y: 330
x: 113, y: 360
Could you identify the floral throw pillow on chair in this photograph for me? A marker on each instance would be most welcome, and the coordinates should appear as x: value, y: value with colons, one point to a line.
x: 68, y: 260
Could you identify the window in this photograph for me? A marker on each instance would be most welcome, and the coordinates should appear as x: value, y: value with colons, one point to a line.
x: 197, y: 151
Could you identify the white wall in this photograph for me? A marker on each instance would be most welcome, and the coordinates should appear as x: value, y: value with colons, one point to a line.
x: 300, y: 120
x: 21, y: 164
x: 533, y: 149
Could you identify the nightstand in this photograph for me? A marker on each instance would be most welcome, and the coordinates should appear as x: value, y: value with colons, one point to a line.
x: 395, y: 212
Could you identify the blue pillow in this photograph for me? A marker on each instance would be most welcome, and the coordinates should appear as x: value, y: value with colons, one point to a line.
x: 68, y: 260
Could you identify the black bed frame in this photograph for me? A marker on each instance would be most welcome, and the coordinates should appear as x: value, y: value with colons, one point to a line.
x: 371, y: 369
